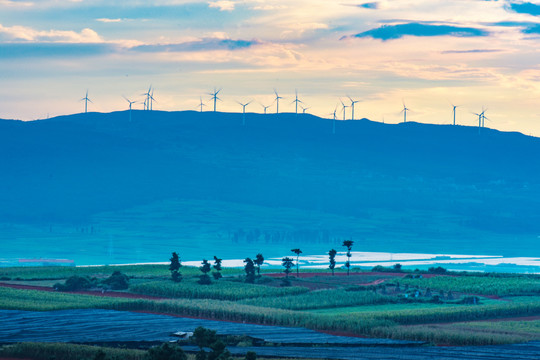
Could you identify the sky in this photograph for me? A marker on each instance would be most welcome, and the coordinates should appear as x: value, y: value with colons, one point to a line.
x: 427, y: 54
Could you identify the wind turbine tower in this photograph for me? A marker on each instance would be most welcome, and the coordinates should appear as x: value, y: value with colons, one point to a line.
x: 244, y: 111
x: 344, y: 108
x: 296, y: 101
x: 130, y: 103
x: 454, y: 111
x: 334, y: 120
x: 404, y: 111
x: 352, y: 106
x: 215, y: 97
x: 265, y: 108
x: 277, y: 101
x: 147, y: 100
x: 201, y: 104
x: 479, y: 120
x: 152, y: 99
x: 86, y: 100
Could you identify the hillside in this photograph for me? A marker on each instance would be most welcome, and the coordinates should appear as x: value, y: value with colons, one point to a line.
x: 279, y: 181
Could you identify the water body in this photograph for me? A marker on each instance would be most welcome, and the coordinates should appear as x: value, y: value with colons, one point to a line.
x: 94, y: 325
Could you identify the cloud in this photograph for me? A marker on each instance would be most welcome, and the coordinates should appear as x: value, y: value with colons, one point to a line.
x: 207, y: 44
x: 222, y: 5
x: 106, y: 20
x: 23, y: 33
x: 473, y: 51
x: 52, y: 50
x: 15, y: 3
x: 525, y: 8
x: 390, y: 32
x: 369, y: 5
x: 534, y: 29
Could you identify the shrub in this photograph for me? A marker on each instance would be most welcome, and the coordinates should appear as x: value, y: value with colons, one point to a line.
x: 437, y: 270
x: 76, y: 283
x: 117, y: 281
x: 166, y: 352
x: 251, y: 355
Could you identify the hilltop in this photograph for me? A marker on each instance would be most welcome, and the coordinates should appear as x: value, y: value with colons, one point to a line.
x: 279, y: 180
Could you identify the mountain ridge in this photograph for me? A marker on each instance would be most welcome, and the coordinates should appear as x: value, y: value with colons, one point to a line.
x: 69, y: 169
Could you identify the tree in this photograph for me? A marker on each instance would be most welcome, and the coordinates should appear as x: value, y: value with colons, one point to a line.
x: 117, y: 281
x: 287, y: 263
x: 76, y: 283
x: 174, y: 267
x: 203, y: 337
x: 204, y: 279
x: 206, y: 338
x: 166, y: 352
x: 217, y: 267
x: 259, y: 260
x: 249, y: 268
x: 332, y: 256
x: 348, y: 244
x: 251, y: 355
x: 297, y: 252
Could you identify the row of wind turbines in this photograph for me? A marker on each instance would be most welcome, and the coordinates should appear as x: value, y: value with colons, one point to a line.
x: 149, y: 100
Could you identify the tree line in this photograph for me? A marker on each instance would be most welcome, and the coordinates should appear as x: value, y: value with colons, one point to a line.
x: 252, y: 267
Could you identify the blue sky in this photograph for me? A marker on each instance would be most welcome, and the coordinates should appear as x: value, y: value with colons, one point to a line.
x: 428, y: 54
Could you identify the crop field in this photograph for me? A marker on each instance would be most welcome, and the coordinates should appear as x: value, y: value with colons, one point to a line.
x: 341, y: 303
x: 321, y: 299
x: 222, y: 290
x: 15, y: 299
x: 484, y: 285
x: 62, y: 272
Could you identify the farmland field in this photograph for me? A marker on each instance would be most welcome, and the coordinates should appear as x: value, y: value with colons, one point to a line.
x: 375, y: 305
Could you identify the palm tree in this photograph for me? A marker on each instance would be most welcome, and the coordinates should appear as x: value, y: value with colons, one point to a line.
x: 297, y: 252
x: 348, y: 244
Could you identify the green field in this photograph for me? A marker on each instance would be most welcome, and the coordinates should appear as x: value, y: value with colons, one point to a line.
x: 339, y: 304
x: 484, y: 285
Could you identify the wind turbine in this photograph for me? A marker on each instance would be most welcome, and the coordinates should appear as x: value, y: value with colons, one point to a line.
x: 404, y: 111
x: 147, y: 100
x: 215, y: 97
x: 480, y: 116
x: 86, y: 100
x: 277, y: 101
x: 130, y: 103
x: 304, y: 109
x: 296, y: 101
x: 265, y: 108
x: 152, y: 99
x: 344, y: 108
x: 334, y: 120
x: 352, y: 106
x: 454, y: 111
x: 244, y: 111
x: 201, y: 104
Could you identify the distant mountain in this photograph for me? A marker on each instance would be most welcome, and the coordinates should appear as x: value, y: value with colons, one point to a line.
x: 471, y: 185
